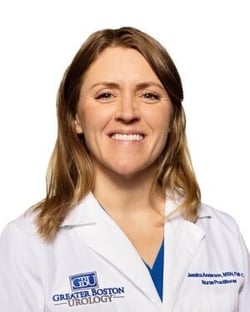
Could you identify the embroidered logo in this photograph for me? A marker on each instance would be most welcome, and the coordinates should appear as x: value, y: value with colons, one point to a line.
x: 85, y: 290
x: 83, y: 281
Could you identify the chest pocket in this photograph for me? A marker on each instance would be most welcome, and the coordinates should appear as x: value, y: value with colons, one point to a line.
x: 218, y: 302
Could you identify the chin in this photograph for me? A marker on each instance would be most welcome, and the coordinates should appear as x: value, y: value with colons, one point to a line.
x: 127, y: 172
x: 126, y: 169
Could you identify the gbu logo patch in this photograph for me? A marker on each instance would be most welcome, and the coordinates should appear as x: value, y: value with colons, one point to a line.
x: 83, y: 281
x: 85, y: 291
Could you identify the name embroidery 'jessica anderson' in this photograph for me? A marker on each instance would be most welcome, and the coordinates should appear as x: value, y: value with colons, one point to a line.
x: 218, y: 278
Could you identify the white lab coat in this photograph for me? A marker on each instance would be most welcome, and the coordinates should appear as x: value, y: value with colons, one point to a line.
x: 92, y: 266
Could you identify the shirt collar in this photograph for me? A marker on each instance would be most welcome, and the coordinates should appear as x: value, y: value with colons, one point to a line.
x: 83, y: 213
x: 86, y: 212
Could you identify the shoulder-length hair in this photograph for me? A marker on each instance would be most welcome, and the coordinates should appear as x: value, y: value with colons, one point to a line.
x: 70, y: 175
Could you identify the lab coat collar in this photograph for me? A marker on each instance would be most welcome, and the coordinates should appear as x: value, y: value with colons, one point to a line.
x: 172, y: 203
x: 182, y: 239
x: 83, y: 213
x: 100, y: 233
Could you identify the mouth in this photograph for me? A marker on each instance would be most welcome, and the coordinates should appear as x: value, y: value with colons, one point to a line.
x: 127, y: 137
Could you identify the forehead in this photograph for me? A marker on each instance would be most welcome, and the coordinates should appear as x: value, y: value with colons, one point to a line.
x: 113, y: 51
x: 120, y: 63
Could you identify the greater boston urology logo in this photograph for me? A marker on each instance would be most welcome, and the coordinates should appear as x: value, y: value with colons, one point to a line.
x: 85, y: 291
x: 83, y: 281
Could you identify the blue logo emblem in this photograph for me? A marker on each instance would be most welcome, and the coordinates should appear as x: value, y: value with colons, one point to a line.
x: 83, y: 281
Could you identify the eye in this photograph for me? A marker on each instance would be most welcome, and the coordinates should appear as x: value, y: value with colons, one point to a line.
x: 104, y: 96
x: 151, y: 97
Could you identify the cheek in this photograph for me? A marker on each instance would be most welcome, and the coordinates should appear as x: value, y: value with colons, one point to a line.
x: 162, y: 141
x: 87, y: 119
x: 91, y: 125
x: 164, y: 128
x: 162, y: 121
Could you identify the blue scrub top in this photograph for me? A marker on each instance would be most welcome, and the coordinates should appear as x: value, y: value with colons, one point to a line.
x: 156, y: 271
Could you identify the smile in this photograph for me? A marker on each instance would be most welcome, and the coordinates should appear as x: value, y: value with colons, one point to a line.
x: 127, y: 137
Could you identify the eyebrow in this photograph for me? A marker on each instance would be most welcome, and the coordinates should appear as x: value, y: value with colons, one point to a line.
x: 105, y: 84
x: 139, y: 86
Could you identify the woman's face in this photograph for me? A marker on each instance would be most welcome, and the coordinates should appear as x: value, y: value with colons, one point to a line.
x: 124, y: 113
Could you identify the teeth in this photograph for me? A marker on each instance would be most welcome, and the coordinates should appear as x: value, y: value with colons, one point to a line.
x: 127, y: 137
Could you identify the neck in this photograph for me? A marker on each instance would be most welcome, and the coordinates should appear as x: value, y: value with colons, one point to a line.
x: 127, y: 194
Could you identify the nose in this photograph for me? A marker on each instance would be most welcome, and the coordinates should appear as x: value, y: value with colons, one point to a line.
x: 128, y: 110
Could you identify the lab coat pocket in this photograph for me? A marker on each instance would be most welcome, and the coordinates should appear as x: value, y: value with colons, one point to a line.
x: 216, y: 302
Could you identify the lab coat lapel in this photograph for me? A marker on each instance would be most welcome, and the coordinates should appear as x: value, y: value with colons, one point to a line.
x: 182, y: 239
x: 100, y: 233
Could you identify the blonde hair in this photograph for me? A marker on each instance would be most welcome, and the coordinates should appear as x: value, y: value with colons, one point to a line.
x: 70, y: 174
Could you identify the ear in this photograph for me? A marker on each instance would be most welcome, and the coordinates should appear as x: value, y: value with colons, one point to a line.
x: 78, y: 126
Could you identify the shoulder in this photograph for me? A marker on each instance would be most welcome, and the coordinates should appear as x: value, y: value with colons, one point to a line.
x: 218, y: 223
x: 21, y: 228
x: 217, y: 216
x: 222, y: 233
x: 21, y: 248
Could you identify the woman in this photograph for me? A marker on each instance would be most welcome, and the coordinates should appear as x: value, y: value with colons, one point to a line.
x: 122, y: 226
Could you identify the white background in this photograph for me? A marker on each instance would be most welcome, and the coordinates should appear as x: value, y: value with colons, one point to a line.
x: 209, y: 42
